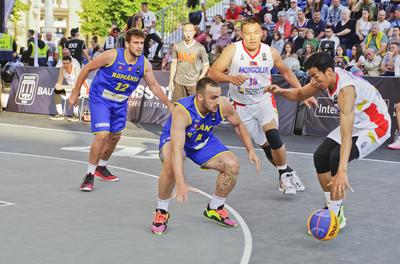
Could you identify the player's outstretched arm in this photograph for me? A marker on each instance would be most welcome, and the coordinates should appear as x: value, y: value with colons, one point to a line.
x: 294, y: 94
x: 219, y: 67
x: 289, y: 76
x: 346, y: 102
x: 103, y: 59
x: 180, y: 120
x: 231, y: 115
x: 155, y: 86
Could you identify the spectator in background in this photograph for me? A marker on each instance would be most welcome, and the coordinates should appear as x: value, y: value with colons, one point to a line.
x: 372, y: 63
x: 341, y: 60
x: 77, y: 46
x: 113, y: 40
x: 166, y: 62
x: 307, y: 51
x: 330, y: 43
x: 384, y: 25
x: 43, y: 52
x: 268, y: 8
x: 277, y: 42
x: 389, y: 8
x: 288, y: 51
x: 225, y: 38
x: 254, y: 6
x: 395, y: 36
x: 297, y: 40
x: 308, y: 10
x: 8, y: 49
x: 95, y: 48
x: 301, y: 23
x: 135, y: 21
x: 388, y: 61
x: 396, y: 19
x: 354, y: 14
x: 209, y: 43
x: 215, y: 52
x: 397, y: 74
x: 345, y: 30
x: 61, y: 45
x: 67, y: 52
x: 291, y: 13
x: 366, y: 4
x: 290, y: 58
x: 375, y: 40
x: 237, y: 34
x: 149, y: 25
x: 200, y: 36
x: 197, y: 11
x: 283, y: 26
x: 52, y: 49
x: 323, y: 8
x: 356, y: 56
x: 215, y: 28
x: 317, y: 25
x: 233, y: 12
x: 266, y: 37
x: 310, y: 39
x: 268, y: 23
x: 363, y: 25
x: 334, y: 13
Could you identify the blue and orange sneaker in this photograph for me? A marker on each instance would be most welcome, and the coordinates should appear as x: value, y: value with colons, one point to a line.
x: 219, y: 215
x: 105, y: 174
x: 160, y: 221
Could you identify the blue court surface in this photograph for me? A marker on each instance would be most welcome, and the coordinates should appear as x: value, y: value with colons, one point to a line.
x: 44, y: 218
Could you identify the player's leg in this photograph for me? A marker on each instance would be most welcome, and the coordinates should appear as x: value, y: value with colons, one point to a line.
x: 217, y: 157
x: 57, y: 102
x: 396, y: 144
x: 179, y: 92
x: 190, y: 90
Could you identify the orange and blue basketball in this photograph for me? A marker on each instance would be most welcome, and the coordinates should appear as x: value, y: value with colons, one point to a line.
x: 323, y: 224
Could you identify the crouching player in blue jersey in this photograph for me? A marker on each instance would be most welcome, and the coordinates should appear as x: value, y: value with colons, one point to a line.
x: 119, y: 73
x: 189, y: 132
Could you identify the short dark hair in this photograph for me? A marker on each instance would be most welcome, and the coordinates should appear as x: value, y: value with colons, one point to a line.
x: 329, y: 27
x: 67, y: 58
x: 320, y: 60
x: 203, y: 82
x: 31, y: 31
x: 133, y: 32
x: 145, y: 3
x: 249, y: 20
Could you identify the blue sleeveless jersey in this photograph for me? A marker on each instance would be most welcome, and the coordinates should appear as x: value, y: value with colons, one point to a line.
x: 201, y: 127
x: 117, y: 81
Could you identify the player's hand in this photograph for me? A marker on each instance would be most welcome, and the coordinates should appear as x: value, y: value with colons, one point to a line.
x: 237, y: 79
x: 182, y: 191
x: 254, y: 159
x: 171, y: 86
x: 73, y: 100
x: 339, y: 184
x: 273, y: 89
x: 310, y: 102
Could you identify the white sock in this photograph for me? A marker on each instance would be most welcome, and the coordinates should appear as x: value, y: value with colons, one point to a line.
x: 91, y: 168
x: 163, y: 204
x: 335, y: 206
x: 76, y: 110
x: 327, y: 196
x: 283, y: 167
x: 216, y: 202
x: 103, y: 162
x: 59, y: 109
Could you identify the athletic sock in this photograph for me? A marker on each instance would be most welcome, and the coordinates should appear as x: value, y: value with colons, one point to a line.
x: 216, y: 202
x: 335, y: 206
x: 103, y: 163
x: 163, y: 204
x: 91, y: 168
x: 59, y: 109
x: 76, y: 110
x: 282, y: 169
x: 327, y: 196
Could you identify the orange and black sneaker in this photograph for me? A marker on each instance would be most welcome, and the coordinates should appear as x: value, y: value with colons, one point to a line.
x: 219, y: 215
x: 160, y: 221
x: 105, y: 174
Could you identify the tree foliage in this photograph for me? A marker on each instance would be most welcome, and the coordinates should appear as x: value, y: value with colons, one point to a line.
x: 18, y: 7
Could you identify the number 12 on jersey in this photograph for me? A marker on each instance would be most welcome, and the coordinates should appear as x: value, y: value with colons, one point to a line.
x: 122, y: 87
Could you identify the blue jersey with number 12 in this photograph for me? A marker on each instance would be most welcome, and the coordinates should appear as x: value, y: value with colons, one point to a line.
x: 119, y: 79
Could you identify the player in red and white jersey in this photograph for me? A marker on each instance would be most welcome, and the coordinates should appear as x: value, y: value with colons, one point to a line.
x: 364, y: 124
x: 249, y: 63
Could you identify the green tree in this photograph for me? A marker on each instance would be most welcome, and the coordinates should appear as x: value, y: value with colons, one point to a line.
x: 17, y: 8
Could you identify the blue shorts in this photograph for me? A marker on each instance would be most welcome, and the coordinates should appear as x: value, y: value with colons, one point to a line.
x: 106, y: 116
x: 212, y: 149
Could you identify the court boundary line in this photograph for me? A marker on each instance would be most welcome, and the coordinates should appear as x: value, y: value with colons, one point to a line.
x: 4, y: 203
x: 248, y: 240
x: 157, y: 140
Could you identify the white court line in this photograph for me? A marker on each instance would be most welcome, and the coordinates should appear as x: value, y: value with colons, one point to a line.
x: 248, y: 240
x: 3, y: 203
x: 157, y: 140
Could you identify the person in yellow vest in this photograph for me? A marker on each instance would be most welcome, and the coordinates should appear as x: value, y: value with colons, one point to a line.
x: 8, y: 48
x: 43, y: 52
x: 375, y: 40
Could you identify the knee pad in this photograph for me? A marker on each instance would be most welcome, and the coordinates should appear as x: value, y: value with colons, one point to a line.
x: 321, y: 160
x: 274, y: 139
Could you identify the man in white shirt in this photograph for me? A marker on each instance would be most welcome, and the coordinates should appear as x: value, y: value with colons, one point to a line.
x: 215, y: 29
x: 53, y: 52
x: 149, y: 23
x: 291, y: 13
x: 67, y: 52
x: 384, y: 25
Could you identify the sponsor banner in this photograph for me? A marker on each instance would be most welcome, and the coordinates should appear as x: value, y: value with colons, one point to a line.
x: 325, y: 118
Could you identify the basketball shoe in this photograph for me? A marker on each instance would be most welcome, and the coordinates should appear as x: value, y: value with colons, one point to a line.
x: 296, y: 182
x: 285, y: 184
x: 219, y: 215
x: 160, y: 221
x: 105, y: 174
x: 87, y: 184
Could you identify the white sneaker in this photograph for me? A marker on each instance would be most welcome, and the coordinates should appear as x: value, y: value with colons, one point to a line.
x: 296, y: 182
x: 74, y: 118
x: 285, y: 184
x: 395, y: 145
x: 57, y: 117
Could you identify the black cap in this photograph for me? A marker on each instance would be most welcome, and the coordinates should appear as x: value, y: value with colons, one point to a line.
x: 74, y: 31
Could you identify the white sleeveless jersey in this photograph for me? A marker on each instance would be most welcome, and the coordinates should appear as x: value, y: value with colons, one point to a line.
x: 371, y: 112
x: 257, y: 70
x: 70, y: 78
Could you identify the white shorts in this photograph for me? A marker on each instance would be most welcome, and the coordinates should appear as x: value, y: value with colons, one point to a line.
x: 255, y: 116
x: 367, y: 140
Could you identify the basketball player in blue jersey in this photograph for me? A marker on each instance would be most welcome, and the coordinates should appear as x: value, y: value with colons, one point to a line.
x: 119, y: 73
x: 189, y: 133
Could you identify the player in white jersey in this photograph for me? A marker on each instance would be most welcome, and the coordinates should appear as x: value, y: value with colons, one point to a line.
x: 249, y: 63
x: 364, y: 124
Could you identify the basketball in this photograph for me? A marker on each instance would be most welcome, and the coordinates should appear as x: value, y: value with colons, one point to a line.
x: 323, y: 224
